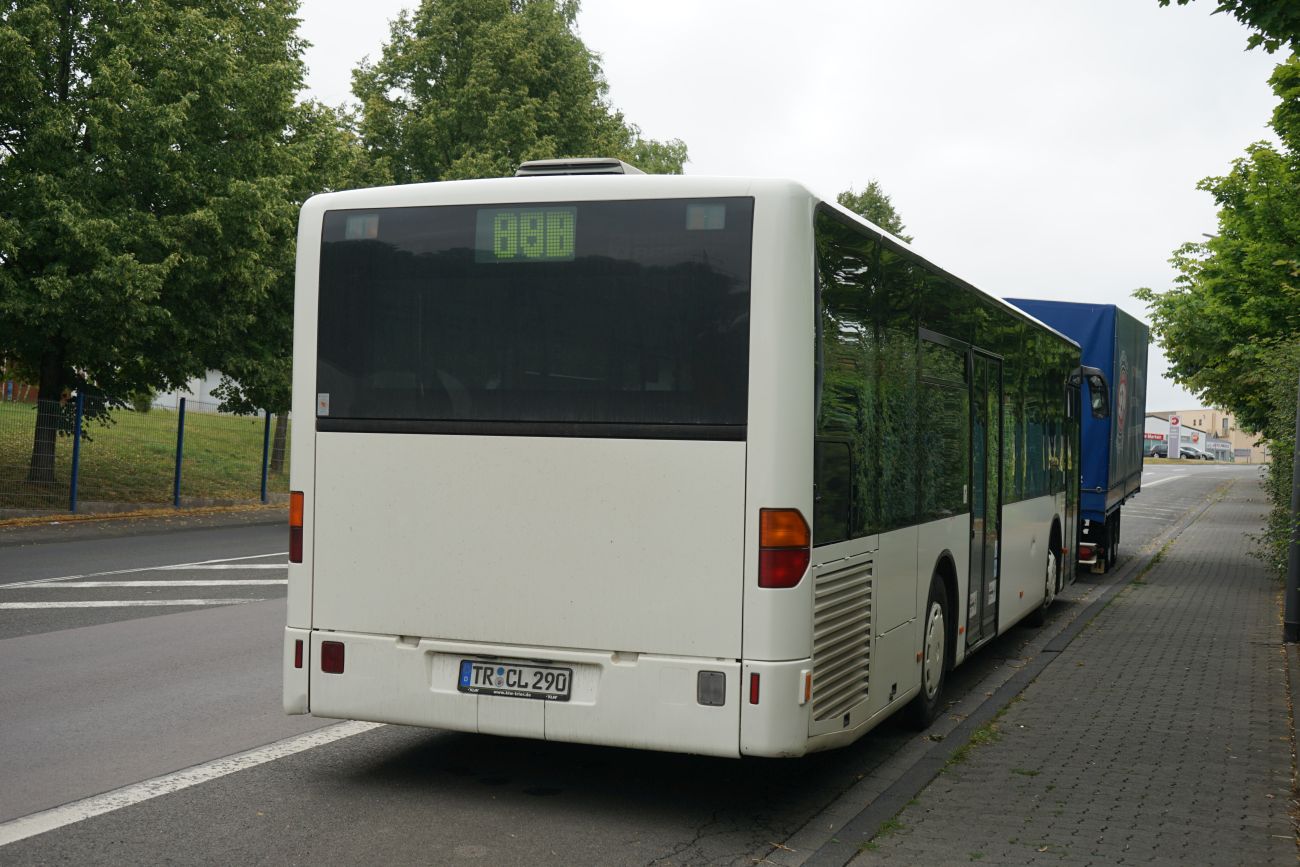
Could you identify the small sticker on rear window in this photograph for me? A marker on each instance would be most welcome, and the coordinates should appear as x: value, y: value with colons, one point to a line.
x: 323, y: 403
x: 703, y: 217
x: 362, y: 227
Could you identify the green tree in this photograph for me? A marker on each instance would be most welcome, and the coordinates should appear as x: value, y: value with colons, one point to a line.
x: 321, y: 153
x: 145, y: 187
x: 472, y: 88
x: 873, y: 204
x: 1276, y: 22
x: 1236, y: 297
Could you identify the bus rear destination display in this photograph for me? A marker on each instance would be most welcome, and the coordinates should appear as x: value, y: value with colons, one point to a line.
x: 525, y: 235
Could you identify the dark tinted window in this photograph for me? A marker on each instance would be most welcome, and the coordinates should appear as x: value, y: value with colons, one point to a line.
x: 894, y: 423
x: 945, y: 448
x: 867, y: 424
x: 630, y: 312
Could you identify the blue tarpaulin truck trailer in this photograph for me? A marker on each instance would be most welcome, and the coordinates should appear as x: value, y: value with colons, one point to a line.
x: 1111, y: 448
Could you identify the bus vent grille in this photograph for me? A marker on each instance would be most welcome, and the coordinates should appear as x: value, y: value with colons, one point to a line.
x: 841, y: 640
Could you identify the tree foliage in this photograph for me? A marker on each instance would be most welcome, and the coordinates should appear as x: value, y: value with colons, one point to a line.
x: 873, y: 204
x: 1276, y: 22
x: 1236, y: 297
x: 148, y: 195
x: 321, y: 153
x: 472, y: 88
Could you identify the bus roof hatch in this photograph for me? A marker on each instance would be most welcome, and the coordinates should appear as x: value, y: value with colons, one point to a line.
x: 582, y: 166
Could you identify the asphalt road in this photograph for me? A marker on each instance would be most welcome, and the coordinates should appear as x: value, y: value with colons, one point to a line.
x: 97, y: 698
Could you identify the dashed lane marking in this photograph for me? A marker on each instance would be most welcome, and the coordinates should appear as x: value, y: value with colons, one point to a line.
x: 194, y: 582
x: 77, y: 811
x: 122, y: 603
x: 239, y: 566
x: 147, y: 569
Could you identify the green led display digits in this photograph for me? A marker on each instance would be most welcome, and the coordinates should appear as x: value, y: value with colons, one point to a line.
x: 526, y: 234
x: 505, y: 235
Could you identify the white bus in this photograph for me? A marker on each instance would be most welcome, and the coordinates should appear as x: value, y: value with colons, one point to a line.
x: 706, y: 465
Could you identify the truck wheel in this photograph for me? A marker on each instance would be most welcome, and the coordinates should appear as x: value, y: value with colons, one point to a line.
x: 1112, y: 541
x: 934, y: 658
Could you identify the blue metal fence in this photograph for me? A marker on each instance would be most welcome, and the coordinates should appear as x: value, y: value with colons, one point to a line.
x: 162, y: 456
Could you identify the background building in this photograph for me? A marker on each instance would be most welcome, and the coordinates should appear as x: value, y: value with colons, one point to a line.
x: 1216, y: 427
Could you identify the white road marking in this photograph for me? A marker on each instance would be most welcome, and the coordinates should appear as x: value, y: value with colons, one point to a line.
x: 77, y: 811
x: 240, y: 567
x: 196, y: 582
x: 145, y: 569
x: 1160, y: 481
x: 123, y: 603
x: 1162, y: 509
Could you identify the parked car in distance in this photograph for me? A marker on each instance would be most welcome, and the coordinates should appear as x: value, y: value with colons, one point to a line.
x: 1162, y: 450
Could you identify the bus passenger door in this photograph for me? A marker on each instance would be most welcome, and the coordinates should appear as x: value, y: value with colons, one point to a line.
x: 986, y: 497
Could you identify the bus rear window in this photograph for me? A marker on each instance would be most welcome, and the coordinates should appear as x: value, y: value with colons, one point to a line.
x: 631, y: 313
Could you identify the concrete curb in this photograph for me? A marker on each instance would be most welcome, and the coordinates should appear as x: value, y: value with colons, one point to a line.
x: 846, y: 843
x: 64, y: 528
x: 1292, y: 652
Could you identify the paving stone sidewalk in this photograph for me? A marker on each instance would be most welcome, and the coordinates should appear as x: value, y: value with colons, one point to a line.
x: 1159, y: 736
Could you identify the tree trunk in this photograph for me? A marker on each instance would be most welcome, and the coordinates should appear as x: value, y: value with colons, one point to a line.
x: 279, y: 442
x: 41, y: 468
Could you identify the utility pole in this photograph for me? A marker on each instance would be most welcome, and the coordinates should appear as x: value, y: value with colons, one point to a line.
x: 1291, y: 624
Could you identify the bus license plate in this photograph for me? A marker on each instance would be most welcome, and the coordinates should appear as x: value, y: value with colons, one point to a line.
x: 514, y: 680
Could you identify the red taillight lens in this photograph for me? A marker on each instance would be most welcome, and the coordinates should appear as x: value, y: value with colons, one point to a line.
x: 1085, y: 552
x: 784, y: 547
x: 331, y: 657
x: 781, y: 567
x: 753, y: 689
x: 295, y: 526
x: 297, y: 653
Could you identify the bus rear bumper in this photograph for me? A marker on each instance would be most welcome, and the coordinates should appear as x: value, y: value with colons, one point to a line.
x: 632, y: 700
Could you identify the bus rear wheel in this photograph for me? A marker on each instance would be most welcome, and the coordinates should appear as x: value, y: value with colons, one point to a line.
x: 934, y: 658
x: 1038, y: 617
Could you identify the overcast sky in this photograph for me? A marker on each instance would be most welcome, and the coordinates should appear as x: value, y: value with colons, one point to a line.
x: 1038, y: 148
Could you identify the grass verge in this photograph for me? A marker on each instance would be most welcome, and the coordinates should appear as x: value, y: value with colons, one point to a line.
x: 133, y: 459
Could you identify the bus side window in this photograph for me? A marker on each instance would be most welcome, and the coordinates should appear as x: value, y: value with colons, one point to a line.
x: 832, y: 490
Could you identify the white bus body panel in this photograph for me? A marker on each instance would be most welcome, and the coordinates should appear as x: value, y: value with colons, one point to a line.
x: 630, y: 700
x: 944, y: 539
x: 781, y: 404
x: 613, y: 544
x: 1026, y: 528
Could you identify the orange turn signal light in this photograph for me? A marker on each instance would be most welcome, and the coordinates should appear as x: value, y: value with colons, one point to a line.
x: 783, y: 528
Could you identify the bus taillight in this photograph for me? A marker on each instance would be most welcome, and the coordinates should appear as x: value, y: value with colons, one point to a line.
x: 295, y: 526
x: 784, y: 547
x: 331, y: 657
